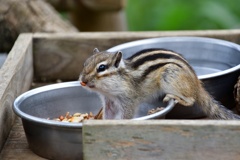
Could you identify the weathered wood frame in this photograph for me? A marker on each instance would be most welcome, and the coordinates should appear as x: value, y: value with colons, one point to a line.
x: 166, y: 139
x: 64, y: 53
x: 60, y: 56
x: 15, y: 77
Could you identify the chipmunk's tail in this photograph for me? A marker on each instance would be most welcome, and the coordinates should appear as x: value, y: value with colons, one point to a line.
x: 213, y: 109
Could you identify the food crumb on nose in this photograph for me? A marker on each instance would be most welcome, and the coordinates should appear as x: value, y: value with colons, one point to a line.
x: 83, y: 84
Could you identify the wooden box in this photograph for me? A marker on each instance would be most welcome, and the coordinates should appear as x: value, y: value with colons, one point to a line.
x: 40, y: 58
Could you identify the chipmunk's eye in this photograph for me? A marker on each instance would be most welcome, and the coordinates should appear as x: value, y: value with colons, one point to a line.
x: 102, y: 68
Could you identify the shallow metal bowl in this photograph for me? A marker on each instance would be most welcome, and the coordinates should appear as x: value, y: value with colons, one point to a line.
x: 216, y: 62
x: 59, y: 140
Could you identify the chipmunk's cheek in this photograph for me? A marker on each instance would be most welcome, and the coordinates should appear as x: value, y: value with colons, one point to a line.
x: 91, y: 85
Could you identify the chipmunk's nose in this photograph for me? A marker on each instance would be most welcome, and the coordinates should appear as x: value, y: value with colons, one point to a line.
x: 90, y: 85
x: 82, y: 80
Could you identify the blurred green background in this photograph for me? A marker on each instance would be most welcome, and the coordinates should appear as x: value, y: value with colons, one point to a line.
x: 153, y: 15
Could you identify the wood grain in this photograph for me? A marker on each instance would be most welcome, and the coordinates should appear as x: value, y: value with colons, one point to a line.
x: 16, y: 147
x: 61, y: 56
x: 15, y: 77
x: 166, y: 139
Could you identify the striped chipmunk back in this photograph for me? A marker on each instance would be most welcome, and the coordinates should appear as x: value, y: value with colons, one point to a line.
x: 148, y: 74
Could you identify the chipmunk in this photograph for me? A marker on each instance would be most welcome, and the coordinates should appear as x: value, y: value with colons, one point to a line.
x: 151, y: 73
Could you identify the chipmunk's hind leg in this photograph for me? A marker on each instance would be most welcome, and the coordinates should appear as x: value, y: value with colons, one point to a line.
x: 178, y: 85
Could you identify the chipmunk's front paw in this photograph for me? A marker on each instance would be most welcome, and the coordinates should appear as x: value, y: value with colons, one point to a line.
x: 166, y: 98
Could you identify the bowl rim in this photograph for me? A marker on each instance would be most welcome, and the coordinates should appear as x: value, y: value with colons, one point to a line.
x: 39, y: 120
x: 43, y: 121
x: 185, y: 39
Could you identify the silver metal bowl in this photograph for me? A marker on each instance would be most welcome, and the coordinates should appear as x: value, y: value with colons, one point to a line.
x: 216, y: 62
x: 59, y: 140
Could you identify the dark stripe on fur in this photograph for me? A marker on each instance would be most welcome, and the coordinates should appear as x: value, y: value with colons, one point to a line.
x: 153, y: 68
x: 153, y: 57
x: 146, y: 51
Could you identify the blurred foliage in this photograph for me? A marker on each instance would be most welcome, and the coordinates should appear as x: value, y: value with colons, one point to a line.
x: 182, y: 14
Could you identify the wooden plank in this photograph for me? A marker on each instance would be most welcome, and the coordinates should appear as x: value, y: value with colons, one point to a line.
x: 61, y: 56
x: 166, y: 139
x: 15, y: 77
x: 16, y: 147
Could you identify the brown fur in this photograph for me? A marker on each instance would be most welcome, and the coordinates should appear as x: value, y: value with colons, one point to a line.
x: 147, y: 75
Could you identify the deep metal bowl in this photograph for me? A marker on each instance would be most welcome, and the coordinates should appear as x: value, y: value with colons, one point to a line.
x: 216, y: 62
x: 59, y: 140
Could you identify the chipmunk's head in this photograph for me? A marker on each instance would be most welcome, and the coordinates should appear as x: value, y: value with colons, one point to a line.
x: 100, y: 69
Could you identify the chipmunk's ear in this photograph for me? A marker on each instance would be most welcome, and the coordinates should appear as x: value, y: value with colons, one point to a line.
x: 95, y: 51
x: 117, y: 58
